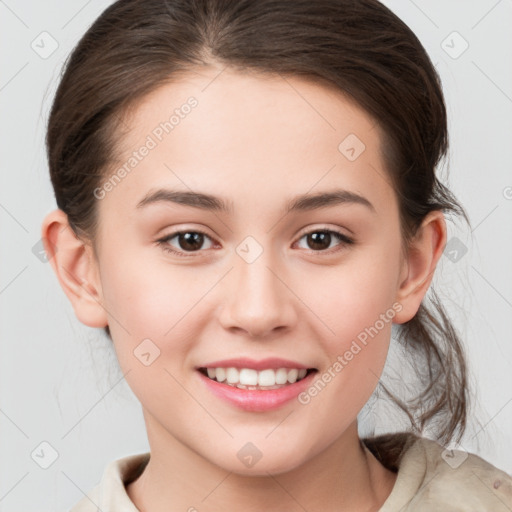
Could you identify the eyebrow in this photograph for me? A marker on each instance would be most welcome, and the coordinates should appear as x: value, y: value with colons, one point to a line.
x: 301, y: 203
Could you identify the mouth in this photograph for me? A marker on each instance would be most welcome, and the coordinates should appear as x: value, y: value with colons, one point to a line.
x: 254, y: 380
x: 256, y: 385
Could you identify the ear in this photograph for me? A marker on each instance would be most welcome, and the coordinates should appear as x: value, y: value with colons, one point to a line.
x: 75, y: 265
x: 419, y: 265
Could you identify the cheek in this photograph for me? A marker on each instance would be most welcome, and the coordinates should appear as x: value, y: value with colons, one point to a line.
x: 153, y: 326
x: 359, y: 308
x: 156, y: 303
x: 354, y: 297
x: 150, y: 299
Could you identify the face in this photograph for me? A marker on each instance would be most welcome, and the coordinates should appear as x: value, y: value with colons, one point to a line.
x: 275, y: 286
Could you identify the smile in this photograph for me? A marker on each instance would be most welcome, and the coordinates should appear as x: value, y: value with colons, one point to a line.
x: 251, y: 379
x: 256, y: 386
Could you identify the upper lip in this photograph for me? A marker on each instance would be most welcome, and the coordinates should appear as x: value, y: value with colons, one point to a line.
x: 262, y: 364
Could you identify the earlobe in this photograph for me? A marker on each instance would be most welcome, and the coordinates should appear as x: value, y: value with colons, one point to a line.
x: 75, y: 266
x: 422, y: 257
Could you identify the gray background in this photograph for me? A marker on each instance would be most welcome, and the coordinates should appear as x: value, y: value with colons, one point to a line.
x: 59, y: 380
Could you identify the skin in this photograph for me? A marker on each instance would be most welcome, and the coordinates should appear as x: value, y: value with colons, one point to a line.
x: 256, y: 141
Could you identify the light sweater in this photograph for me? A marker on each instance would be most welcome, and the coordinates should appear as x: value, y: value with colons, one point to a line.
x: 429, y: 479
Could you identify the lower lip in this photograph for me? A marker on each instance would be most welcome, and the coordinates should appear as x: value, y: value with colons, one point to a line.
x: 257, y: 400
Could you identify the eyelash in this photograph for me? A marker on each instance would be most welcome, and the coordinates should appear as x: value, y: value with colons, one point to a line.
x: 163, y: 242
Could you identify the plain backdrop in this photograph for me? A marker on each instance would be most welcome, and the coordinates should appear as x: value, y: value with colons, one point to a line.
x: 63, y: 402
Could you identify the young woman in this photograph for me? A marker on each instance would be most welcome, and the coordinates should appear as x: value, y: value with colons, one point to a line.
x: 247, y: 202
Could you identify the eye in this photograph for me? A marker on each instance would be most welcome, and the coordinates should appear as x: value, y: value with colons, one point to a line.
x: 320, y: 240
x: 187, y: 241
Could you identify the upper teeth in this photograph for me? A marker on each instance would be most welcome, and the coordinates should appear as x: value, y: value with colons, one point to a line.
x: 250, y: 377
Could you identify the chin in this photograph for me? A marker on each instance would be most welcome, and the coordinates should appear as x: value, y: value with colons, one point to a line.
x: 252, y: 462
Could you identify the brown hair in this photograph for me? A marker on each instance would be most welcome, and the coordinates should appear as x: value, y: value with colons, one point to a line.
x: 358, y: 46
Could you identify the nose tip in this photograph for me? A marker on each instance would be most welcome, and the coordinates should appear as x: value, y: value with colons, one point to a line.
x: 257, y: 302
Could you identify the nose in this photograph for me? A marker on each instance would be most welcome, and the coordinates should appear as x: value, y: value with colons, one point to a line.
x: 257, y: 300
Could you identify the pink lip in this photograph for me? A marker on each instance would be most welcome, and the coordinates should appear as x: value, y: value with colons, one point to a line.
x: 257, y: 400
x: 244, y: 362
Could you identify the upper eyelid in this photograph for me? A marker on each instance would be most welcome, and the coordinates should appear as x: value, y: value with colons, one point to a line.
x: 306, y: 231
x: 301, y: 233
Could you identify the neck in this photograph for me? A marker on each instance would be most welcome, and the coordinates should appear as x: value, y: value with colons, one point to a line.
x: 345, y: 476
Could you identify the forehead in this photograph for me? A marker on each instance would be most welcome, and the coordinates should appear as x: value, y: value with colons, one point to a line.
x: 222, y: 130
x: 297, y: 108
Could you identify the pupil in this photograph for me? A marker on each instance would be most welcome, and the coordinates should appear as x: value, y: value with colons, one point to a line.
x: 194, y: 241
x: 320, y: 240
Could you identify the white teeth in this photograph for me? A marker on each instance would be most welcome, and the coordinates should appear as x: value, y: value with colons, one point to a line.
x: 267, y: 378
x: 281, y: 376
x: 292, y: 375
x: 248, y: 378
x: 232, y: 375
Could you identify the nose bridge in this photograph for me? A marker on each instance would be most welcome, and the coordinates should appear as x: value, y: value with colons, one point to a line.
x: 258, y: 301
